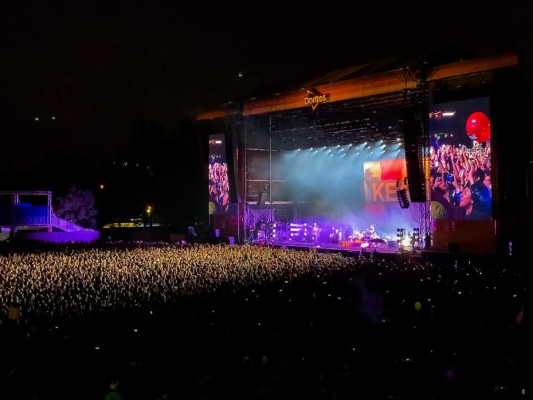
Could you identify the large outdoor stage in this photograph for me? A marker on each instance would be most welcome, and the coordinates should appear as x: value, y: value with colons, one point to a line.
x: 351, y: 160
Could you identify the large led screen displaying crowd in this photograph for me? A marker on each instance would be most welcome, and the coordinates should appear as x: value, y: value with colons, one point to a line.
x: 218, y: 176
x: 460, y: 160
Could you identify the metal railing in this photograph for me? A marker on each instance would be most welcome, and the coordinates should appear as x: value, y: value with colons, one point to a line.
x: 66, y: 226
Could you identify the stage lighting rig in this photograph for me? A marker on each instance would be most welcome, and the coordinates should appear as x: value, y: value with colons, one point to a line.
x: 400, y: 237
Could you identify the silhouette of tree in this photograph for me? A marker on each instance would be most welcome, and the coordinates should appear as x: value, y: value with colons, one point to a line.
x: 78, y: 206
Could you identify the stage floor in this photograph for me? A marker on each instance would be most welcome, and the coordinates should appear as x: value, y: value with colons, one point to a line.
x: 346, y: 247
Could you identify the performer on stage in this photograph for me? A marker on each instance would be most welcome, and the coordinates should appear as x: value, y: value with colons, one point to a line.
x: 348, y: 231
x: 370, y: 233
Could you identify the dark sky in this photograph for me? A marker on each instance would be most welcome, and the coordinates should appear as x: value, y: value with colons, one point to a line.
x: 98, y: 67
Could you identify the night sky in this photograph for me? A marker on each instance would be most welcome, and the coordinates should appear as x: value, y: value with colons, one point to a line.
x: 91, y: 70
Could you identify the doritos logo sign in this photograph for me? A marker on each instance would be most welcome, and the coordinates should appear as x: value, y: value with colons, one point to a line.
x: 314, y: 98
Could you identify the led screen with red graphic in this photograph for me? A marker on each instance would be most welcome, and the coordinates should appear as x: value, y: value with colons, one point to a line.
x: 381, y: 180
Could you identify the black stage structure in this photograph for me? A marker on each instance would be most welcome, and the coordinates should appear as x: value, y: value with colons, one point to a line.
x: 298, y: 160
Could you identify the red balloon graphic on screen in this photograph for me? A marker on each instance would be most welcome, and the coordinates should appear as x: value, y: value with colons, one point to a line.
x: 478, y: 127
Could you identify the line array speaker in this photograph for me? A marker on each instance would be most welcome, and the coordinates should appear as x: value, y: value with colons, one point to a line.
x: 412, y: 138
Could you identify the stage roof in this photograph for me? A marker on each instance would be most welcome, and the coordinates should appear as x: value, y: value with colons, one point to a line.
x: 376, y: 83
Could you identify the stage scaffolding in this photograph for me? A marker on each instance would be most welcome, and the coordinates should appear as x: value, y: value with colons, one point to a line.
x: 266, y: 137
x: 365, y: 103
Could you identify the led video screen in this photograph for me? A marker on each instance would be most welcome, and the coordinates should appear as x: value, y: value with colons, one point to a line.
x: 460, y: 160
x: 219, y: 186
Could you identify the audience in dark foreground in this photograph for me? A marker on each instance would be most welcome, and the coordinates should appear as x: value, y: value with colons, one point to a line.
x: 154, y: 321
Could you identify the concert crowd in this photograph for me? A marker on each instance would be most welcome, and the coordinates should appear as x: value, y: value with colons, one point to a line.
x: 461, y: 185
x: 156, y: 321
